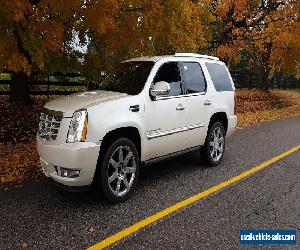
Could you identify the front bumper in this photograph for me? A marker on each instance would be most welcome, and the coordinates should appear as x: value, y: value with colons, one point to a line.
x: 82, y: 156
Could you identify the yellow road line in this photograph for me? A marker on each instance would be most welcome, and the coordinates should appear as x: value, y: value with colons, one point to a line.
x: 153, y: 218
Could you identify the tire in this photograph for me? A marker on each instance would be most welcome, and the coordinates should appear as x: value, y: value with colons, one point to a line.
x: 213, y: 150
x: 118, y: 175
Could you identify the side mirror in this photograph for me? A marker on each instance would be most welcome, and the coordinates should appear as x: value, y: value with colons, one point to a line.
x: 160, y: 89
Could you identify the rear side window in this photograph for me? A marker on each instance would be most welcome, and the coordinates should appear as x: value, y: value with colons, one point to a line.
x: 193, y: 77
x: 219, y: 76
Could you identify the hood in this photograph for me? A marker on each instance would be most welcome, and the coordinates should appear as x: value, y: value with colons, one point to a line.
x: 71, y: 103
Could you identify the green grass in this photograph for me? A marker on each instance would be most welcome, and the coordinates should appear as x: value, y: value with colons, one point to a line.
x: 69, y: 88
x: 67, y: 79
x: 5, y: 76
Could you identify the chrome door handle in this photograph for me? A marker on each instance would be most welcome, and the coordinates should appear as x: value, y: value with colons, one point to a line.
x: 135, y: 108
x: 180, y: 107
x: 207, y: 103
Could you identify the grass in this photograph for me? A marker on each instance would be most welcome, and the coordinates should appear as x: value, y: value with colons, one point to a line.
x: 19, y: 159
x: 79, y: 80
x: 256, y: 106
x: 68, y: 88
x: 5, y: 76
x: 68, y: 79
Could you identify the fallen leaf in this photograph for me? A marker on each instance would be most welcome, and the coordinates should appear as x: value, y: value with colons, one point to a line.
x: 24, y: 245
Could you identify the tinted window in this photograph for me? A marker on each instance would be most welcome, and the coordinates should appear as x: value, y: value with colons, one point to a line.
x: 219, y: 76
x: 128, y: 77
x: 194, y: 78
x: 170, y: 73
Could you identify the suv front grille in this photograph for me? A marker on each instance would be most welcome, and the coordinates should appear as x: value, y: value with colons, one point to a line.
x: 49, y: 124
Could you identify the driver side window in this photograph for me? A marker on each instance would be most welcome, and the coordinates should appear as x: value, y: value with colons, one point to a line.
x: 170, y: 73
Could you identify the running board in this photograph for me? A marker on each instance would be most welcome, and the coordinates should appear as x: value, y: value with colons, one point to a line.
x: 170, y: 156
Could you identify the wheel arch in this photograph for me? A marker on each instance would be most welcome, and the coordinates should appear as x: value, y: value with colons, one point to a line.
x: 220, y: 117
x: 130, y: 132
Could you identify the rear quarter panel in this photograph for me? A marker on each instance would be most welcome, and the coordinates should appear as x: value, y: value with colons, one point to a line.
x: 222, y: 101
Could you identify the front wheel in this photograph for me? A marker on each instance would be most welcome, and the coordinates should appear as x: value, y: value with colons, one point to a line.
x: 213, y: 150
x: 119, y: 171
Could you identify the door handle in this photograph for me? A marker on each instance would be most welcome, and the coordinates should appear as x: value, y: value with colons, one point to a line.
x: 180, y: 107
x: 207, y: 102
x: 135, y: 108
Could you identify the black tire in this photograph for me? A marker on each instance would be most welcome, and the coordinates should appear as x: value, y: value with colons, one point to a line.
x: 106, y: 170
x: 206, y: 150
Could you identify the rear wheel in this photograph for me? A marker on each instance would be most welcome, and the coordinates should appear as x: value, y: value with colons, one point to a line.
x: 119, y: 170
x: 213, y: 150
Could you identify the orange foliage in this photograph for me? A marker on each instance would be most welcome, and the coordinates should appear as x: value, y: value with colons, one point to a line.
x: 268, y: 30
x: 33, y: 32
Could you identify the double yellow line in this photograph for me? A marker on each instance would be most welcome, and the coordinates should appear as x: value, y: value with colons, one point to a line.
x: 153, y: 218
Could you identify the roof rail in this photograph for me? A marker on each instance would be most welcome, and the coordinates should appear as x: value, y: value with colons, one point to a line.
x: 196, y: 55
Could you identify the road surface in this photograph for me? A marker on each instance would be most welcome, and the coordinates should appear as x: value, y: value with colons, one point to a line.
x: 40, y: 216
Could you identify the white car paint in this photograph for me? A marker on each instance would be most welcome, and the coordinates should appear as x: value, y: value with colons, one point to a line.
x: 108, y: 111
x: 69, y: 104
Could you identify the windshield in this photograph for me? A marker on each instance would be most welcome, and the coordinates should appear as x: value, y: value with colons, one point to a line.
x: 129, y: 77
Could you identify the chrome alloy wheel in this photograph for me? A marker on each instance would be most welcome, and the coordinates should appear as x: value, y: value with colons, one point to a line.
x: 216, y: 144
x: 121, y: 171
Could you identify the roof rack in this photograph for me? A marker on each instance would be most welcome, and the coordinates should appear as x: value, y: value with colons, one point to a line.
x: 196, y: 55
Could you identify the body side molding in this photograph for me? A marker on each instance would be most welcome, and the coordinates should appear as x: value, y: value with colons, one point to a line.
x: 158, y: 133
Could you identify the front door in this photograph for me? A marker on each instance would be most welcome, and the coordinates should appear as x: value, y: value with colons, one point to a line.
x: 166, y: 116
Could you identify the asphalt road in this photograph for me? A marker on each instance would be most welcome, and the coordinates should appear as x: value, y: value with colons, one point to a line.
x: 44, y: 217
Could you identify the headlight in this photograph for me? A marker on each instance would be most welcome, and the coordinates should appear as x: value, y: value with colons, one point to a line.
x: 78, y: 126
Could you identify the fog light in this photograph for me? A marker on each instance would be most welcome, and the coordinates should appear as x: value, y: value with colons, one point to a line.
x: 70, y: 173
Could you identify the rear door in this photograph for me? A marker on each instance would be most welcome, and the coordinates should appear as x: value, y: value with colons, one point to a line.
x: 198, y: 101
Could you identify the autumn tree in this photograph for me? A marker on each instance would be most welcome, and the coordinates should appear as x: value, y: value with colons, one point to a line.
x: 268, y: 30
x: 119, y: 30
x: 32, y: 32
x: 37, y: 36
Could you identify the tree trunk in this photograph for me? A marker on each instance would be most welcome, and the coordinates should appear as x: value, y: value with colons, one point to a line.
x: 263, y: 78
x: 266, y: 56
x: 265, y: 81
x: 19, y: 91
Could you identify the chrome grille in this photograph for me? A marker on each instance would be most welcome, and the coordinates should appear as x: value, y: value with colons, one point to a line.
x: 49, y: 124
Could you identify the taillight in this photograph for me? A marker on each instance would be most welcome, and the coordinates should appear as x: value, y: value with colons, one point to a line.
x: 235, y: 103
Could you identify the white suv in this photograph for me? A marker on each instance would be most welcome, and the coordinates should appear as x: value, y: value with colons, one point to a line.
x: 150, y: 108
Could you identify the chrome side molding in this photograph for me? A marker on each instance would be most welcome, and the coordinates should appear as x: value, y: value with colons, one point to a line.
x: 158, y: 133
